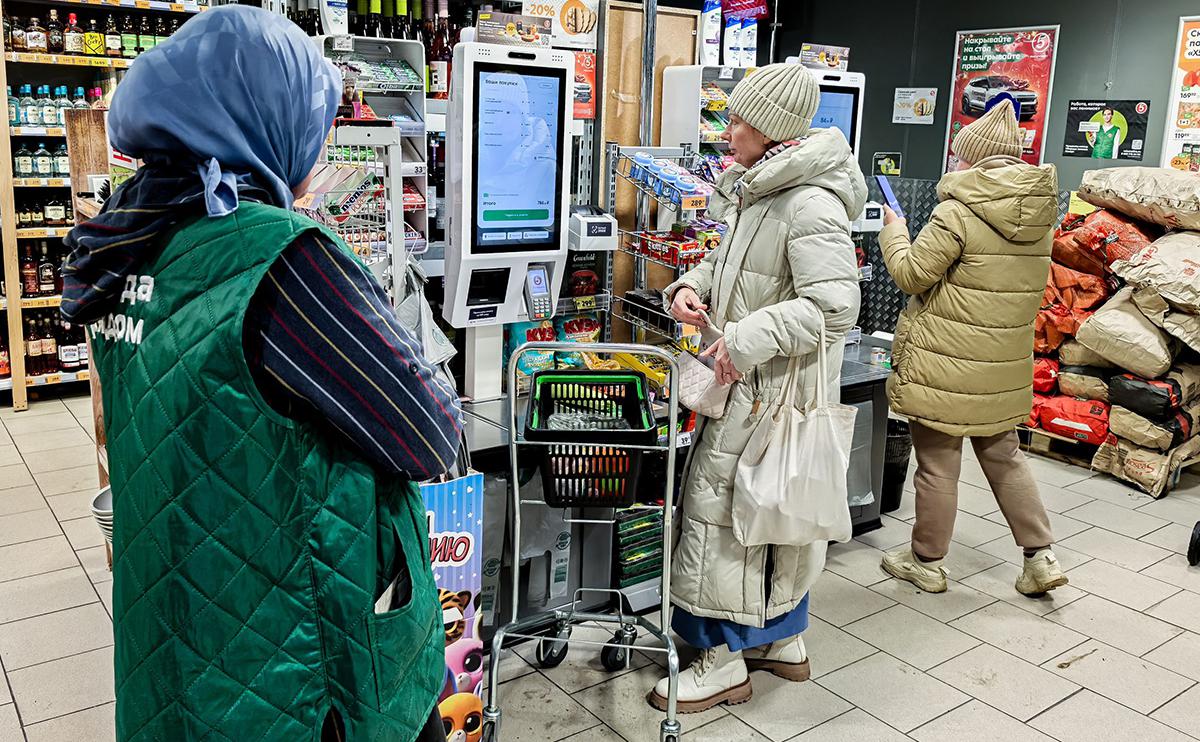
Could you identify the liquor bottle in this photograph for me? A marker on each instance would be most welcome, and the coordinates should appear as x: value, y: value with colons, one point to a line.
x: 49, y: 348
x: 80, y: 101
x: 374, y: 19
x: 24, y: 220
x: 112, y: 38
x: 35, y: 37
x: 64, y: 105
x: 146, y: 38
x: 388, y: 29
x: 14, y: 108
x: 440, y: 54
x: 72, y: 36
x: 7, y: 31
x: 80, y: 339
x: 17, y: 35
x: 417, y: 22
x: 54, y: 33
x: 23, y: 162
x: 160, y: 30
x: 37, y: 217
x: 93, y: 40
x: 97, y: 97
x: 401, y: 29
x: 55, y: 213
x: 33, y: 348
x: 68, y: 349
x: 175, y: 26
x: 33, y: 111
x: 62, y: 162
x: 5, y: 358
x: 26, y: 104
x: 49, y: 108
x: 29, y: 272
x: 129, y: 39
x: 45, y: 272
x: 43, y: 163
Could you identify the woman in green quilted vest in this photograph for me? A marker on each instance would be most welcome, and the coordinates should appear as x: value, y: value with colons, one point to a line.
x: 267, y: 416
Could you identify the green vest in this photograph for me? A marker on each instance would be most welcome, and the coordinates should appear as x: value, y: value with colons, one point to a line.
x: 1105, y: 140
x: 248, y: 548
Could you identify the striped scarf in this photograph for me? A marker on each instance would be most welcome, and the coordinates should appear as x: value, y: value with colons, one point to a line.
x: 778, y: 149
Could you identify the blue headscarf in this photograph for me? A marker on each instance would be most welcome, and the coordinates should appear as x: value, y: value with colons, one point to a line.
x: 235, y: 105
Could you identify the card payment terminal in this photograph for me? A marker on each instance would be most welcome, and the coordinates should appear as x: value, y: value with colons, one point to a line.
x: 539, y: 302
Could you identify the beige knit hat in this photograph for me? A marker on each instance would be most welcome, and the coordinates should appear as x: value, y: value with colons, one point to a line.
x: 779, y: 100
x: 994, y: 133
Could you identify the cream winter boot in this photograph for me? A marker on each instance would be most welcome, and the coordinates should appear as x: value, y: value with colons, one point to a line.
x: 717, y: 676
x: 785, y: 658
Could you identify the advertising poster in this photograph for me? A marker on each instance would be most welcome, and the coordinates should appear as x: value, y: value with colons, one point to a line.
x: 824, y: 57
x: 1106, y: 129
x: 512, y: 29
x: 914, y: 105
x: 1018, y: 61
x: 572, y: 22
x: 454, y: 511
x: 585, y: 85
x: 1181, y: 140
x: 886, y: 163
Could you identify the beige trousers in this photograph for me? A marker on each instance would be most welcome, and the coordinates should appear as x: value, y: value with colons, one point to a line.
x: 939, y: 462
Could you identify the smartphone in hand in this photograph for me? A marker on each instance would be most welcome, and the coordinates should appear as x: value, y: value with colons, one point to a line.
x: 888, y: 196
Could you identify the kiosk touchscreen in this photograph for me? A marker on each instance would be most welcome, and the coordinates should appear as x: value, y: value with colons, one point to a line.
x: 508, y: 129
x: 840, y: 106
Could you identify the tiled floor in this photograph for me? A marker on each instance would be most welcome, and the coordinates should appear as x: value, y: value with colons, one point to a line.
x: 1114, y: 656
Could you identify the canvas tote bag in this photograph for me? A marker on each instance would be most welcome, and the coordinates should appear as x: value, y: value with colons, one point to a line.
x: 790, y: 484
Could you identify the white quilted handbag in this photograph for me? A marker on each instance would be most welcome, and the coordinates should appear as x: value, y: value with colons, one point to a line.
x: 699, y: 389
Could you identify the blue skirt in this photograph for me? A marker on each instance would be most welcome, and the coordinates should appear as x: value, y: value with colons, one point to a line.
x: 704, y: 633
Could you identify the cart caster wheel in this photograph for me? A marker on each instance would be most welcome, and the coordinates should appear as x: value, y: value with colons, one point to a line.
x: 550, y: 654
x: 615, y: 654
x: 1193, y: 554
x: 489, y: 734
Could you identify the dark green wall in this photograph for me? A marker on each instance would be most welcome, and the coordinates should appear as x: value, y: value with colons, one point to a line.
x: 1115, y: 49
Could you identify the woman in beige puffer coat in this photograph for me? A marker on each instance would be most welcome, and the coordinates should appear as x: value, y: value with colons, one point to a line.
x: 963, y: 353
x: 786, y: 265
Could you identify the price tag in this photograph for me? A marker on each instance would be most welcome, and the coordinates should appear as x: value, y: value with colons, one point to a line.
x: 53, y: 182
x: 726, y: 73
x: 584, y: 303
x: 142, y: 4
x: 176, y: 7
x: 343, y: 44
x: 83, y: 375
x: 54, y: 378
x: 55, y: 132
x: 419, y: 169
x: 97, y: 2
x: 305, y: 201
x: 693, y: 203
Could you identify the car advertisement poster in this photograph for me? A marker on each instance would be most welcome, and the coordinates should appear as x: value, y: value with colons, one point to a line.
x: 1106, y: 129
x: 1181, y: 140
x: 1018, y: 61
x: 914, y: 105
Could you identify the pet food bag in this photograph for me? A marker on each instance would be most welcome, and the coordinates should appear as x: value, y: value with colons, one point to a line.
x: 1170, y: 266
x: 1035, y: 414
x: 1182, y: 326
x: 1157, y: 399
x: 1045, y: 375
x: 1075, y: 353
x: 1160, y: 436
x: 1119, y: 332
x: 1152, y: 471
x: 1084, y: 382
x: 1083, y: 420
x: 1161, y: 196
x: 1093, y: 242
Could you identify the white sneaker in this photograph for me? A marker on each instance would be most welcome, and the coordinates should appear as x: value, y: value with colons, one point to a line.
x: 903, y: 564
x: 1042, y: 574
x: 785, y: 658
x: 717, y: 676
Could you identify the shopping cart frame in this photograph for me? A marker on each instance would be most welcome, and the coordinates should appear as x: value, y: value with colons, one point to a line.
x: 564, y: 618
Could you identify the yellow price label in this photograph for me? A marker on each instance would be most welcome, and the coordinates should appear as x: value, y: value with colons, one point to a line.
x: 54, y: 378
x: 176, y: 7
x: 305, y: 201
x: 692, y: 203
x: 142, y: 4
x: 584, y: 303
x: 83, y: 375
x: 56, y: 131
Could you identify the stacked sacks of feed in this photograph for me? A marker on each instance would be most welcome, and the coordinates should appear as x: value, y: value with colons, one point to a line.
x: 1082, y: 373
x: 1142, y: 329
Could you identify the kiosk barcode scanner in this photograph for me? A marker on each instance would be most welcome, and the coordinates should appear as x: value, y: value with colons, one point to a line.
x: 508, y: 133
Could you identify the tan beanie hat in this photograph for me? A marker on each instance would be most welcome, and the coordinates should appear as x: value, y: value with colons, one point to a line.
x: 994, y: 133
x: 779, y: 100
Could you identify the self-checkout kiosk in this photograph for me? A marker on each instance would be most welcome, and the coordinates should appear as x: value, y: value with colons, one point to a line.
x: 508, y: 135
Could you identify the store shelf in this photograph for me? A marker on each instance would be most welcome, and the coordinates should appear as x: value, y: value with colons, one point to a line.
x: 64, y: 377
x: 693, y: 257
x: 690, y: 203
x: 5, y: 384
x: 188, y: 7
x: 601, y: 302
x: 41, y: 182
x: 37, y: 131
x: 42, y: 233
x: 41, y: 302
x: 642, y: 324
x: 67, y: 60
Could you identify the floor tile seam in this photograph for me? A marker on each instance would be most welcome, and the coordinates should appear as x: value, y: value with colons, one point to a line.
x: 1115, y: 648
x: 40, y: 538
x: 39, y: 574
x: 1163, y: 524
x: 1051, y: 709
x: 853, y: 705
x: 1169, y: 701
x: 13, y: 698
x: 76, y: 711
x: 53, y: 612
x: 607, y: 676
x: 65, y: 656
x: 581, y: 731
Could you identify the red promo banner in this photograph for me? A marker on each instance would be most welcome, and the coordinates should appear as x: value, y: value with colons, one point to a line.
x: 1019, y: 62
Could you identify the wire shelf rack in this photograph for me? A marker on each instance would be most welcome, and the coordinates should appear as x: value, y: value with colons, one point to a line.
x: 659, y: 190
x: 656, y: 247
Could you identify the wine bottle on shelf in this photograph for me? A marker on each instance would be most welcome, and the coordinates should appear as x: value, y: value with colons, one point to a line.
x: 402, y: 29
x: 359, y: 18
x: 45, y: 270
x: 129, y: 37
x: 80, y: 339
x: 93, y: 40
x: 72, y: 36
x: 68, y: 349
x: 54, y: 33
x: 29, y: 272
x: 441, y: 52
x: 49, y: 347
x: 35, y: 36
x: 5, y: 358
x: 16, y: 35
x: 33, y: 348
x: 160, y: 30
x: 387, y: 29
x: 145, y: 35
x: 374, y: 19
x: 112, y: 38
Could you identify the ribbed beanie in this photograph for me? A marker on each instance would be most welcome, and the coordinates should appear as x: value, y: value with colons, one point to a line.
x: 779, y: 100
x: 994, y: 133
